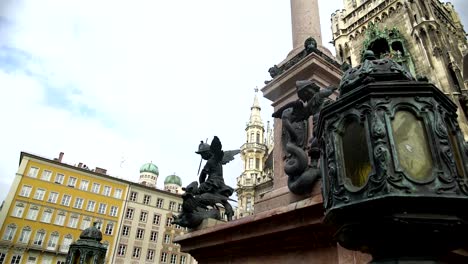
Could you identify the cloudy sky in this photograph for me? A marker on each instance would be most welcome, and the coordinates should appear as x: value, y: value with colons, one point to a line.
x: 116, y: 84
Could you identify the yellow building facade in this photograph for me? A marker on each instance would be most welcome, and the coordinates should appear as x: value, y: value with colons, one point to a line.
x: 50, y: 203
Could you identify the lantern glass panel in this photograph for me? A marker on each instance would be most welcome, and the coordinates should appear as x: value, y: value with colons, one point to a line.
x: 412, y: 146
x: 355, y: 154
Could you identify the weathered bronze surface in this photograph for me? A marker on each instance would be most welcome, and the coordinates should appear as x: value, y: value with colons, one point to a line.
x: 203, y: 201
x: 87, y: 249
x: 294, y: 117
x: 399, y: 193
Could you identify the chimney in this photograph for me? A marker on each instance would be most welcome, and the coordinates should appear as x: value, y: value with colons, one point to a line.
x: 100, y: 170
x: 80, y: 164
x: 60, y: 156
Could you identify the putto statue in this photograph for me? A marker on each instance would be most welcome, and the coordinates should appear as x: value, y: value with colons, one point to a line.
x: 294, y: 115
x: 203, y: 201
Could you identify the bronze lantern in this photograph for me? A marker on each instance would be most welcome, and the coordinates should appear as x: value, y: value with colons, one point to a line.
x: 394, y: 166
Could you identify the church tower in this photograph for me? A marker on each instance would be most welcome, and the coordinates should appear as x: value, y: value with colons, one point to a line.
x: 426, y: 37
x: 149, y: 173
x: 254, y: 154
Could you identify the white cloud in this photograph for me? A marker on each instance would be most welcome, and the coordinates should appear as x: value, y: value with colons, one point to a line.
x: 154, y: 79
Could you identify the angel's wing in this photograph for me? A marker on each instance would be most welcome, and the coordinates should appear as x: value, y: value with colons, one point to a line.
x: 296, y: 105
x: 216, y: 149
x: 229, y: 155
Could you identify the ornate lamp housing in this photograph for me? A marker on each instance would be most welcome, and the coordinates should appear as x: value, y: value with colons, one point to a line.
x: 394, y: 165
x: 88, y: 249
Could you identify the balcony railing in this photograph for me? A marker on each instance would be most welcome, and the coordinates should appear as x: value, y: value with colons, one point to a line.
x: 61, y: 249
x: 253, y: 146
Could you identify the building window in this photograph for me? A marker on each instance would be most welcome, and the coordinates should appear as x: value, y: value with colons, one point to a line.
x: 125, y: 230
x: 118, y: 193
x: 67, y: 240
x: 182, y: 260
x: 72, y: 182
x: 32, y: 213
x: 109, y: 229
x: 136, y: 252
x: 24, y: 235
x: 160, y: 203
x: 249, y: 203
x: 2, y: 258
x: 140, y: 233
x: 39, y: 195
x: 25, y: 191
x: 53, y: 196
x: 122, y: 249
x: 156, y: 219
x: 252, y: 137
x: 46, y: 216
x: 32, y: 260
x: 16, y: 259
x: 39, y: 238
x: 113, y: 211
x: 59, y: 178
x: 173, y: 259
x: 33, y: 171
x: 102, y: 208
x: 18, y: 210
x: 129, y: 213
x: 154, y: 236
x: 73, y: 221
x: 53, y: 239
x: 96, y: 187
x: 179, y: 208
x: 98, y: 224
x: 172, y: 205
x: 163, y: 257
x: 143, y: 216
x: 9, y: 232
x: 169, y: 221
x: 107, y: 190
x: 257, y: 163
x: 133, y: 196
x: 60, y: 219
x: 66, y: 199
x: 251, y: 161
x: 167, y: 238
x: 258, y: 137
x: 84, y: 185
x: 150, y: 254
x: 91, y: 205
x: 85, y: 223
x: 46, y: 175
x: 147, y: 199
x: 79, y: 203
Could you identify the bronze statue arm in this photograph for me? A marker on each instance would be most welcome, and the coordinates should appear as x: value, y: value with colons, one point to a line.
x: 202, y: 176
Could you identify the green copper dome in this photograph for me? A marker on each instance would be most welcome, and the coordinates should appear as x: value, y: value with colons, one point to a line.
x: 149, y: 167
x: 173, y: 179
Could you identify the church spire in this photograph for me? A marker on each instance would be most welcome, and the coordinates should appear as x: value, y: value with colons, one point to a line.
x: 255, y: 118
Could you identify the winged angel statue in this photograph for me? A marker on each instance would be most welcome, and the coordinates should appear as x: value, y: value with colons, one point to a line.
x: 203, y: 201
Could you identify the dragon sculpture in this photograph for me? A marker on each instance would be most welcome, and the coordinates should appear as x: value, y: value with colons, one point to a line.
x: 294, y: 116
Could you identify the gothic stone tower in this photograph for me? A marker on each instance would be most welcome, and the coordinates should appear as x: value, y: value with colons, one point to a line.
x: 426, y: 36
x: 256, y: 177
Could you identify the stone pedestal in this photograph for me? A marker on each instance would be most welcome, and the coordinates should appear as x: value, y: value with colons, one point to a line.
x: 325, y: 72
x: 287, y: 234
